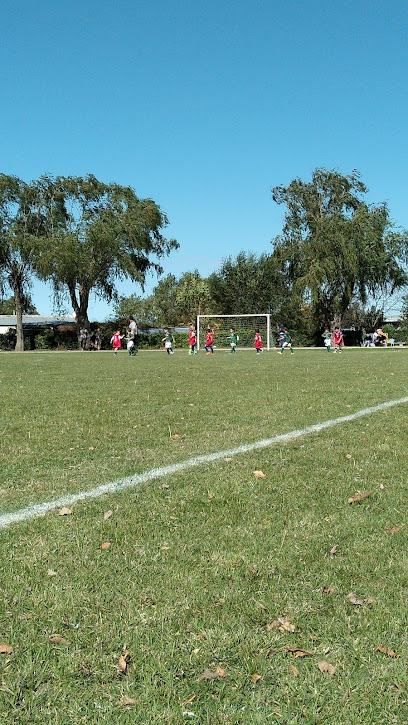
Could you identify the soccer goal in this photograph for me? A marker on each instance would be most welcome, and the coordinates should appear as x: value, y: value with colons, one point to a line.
x: 244, y: 325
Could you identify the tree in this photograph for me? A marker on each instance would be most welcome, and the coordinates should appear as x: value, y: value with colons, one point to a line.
x: 165, y: 299
x: 334, y: 246
x: 144, y: 310
x: 21, y: 226
x: 248, y: 284
x: 98, y: 233
x: 193, y: 296
x: 7, y: 307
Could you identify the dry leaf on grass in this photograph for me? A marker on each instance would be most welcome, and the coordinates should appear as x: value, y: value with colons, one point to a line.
x: 127, y: 701
x: 227, y: 460
x: 359, y: 496
x: 57, y: 639
x: 286, y: 626
x: 386, y: 651
x: 106, y: 545
x: 107, y: 515
x: 349, y: 456
x: 282, y: 624
x: 190, y: 699
x: 164, y: 548
x: 394, y: 530
x: 91, y: 448
x: 255, y: 678
x: 208, y: 674
x: 175, y: 436
x: 299, y: 652
x: 51, y: 572
x: 334, y: 550
x: 259, y: 474
x: 5, y: 649
x: 123, y: 662
x: 165, y: 486
x: 64, y: 511
x: 325, y: 666
x: 293, y: 670
x: 353, y: 599
x: 328, y: 591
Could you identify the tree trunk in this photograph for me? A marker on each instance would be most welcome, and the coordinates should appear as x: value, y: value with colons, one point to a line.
x: 19, y: 314
x: 80, y: 310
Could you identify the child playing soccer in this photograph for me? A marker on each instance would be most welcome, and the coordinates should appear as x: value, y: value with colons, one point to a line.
x: 209, y: 339
x: 168, y: 340
x: 287, y: 342
x: 192, y: 341
x: 338, y: 339
x: 258, y: 342
x: 327, y: 339
x: 233, y: 340
x: 116, y: 341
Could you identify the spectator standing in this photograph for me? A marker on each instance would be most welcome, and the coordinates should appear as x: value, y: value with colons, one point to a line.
x: 83, y: 336
x: 98, y: 338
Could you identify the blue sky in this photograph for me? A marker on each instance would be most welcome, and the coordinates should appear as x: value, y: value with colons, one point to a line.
x: 204, y: 105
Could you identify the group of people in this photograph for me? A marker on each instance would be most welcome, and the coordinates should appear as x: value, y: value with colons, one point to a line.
x: 377, y: 338
x: 168, y: 340
x: 131, y: 335
x: 285, y: 340
x: 331, y: 340
x: 91, y: 341
x: 233, y: 338
x: 335, y: 338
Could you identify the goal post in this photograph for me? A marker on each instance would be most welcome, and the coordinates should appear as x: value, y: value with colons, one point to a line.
x: 244, y: 325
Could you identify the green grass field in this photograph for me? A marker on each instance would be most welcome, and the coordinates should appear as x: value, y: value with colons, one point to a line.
x: 202, y: 565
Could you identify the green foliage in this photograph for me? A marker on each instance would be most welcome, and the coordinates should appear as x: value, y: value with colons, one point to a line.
x: 193, y: 297
x: 144, y: 310
x: 7, y: 307
x: 99, y: 233
x: 21, y: 226
x: 334, y: 246
x: 248, y: 284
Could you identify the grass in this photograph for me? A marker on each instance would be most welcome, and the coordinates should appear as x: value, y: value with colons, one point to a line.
x: 196, y: 571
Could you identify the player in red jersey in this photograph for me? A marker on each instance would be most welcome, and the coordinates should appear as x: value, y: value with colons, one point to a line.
x: 338, y: 339
x: 209, y: 339
x: 258, y: 342
x: 192, y: 341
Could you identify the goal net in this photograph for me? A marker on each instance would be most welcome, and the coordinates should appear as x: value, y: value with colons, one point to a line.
x: 244, y: 325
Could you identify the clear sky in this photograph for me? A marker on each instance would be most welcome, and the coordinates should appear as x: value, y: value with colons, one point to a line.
x: 204, y: 105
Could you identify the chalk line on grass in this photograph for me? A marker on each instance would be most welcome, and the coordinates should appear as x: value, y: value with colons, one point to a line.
x: 37, y: 510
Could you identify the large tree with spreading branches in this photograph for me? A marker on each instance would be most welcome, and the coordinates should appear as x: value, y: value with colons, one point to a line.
x: 334, y: 246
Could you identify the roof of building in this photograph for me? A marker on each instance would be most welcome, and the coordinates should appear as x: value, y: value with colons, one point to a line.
x: 392, y: 318
x: 38, y: 320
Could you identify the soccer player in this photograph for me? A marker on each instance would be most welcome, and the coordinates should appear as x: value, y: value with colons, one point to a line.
x: 168, y: 340
x: 286, y: 342
x: 338, y: 339
x: 116, y: 341
x: 258, y: 342
x: 327, y: 339
x: 209, y: 339
x: 192, y: 340
x: 233, y: 340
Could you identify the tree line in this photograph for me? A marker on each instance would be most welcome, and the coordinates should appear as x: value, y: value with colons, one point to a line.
x: 78, y: 233
x: 335, y: 261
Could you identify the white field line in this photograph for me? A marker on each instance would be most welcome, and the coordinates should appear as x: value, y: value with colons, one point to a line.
x: 37, y: 510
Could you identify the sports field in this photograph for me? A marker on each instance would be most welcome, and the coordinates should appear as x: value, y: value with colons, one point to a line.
x: 222, y: 592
